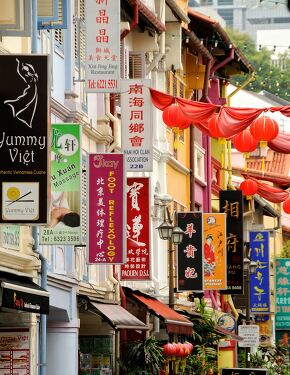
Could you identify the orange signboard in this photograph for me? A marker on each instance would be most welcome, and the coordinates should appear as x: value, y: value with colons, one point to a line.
x: 215, y: 255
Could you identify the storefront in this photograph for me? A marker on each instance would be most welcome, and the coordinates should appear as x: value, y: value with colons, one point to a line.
x: 20, y: 302
x: 99, y: 340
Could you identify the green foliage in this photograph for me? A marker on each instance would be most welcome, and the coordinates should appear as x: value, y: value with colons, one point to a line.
x: 273, y: 358
x: 142, y: 358
x: 285, y: 253
x: 268, y: 77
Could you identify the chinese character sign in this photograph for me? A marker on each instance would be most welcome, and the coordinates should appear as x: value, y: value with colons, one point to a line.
x: 189, y: 252
x: 107, y: 202
x: 282, y: 316
x: 214, y: 251
x: 24, y: 139
x: 260, y: 280
x: 137, y: 266
x: 137, y: 125
x: 231, y: 203
x: 64, y: 211
x: 102, y: 45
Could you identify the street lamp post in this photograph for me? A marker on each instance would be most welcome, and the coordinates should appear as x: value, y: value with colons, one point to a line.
x: 174, y: 235
x: 250, y: 268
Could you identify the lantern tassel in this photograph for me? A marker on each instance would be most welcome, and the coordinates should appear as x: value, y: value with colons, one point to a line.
x: 263, y: 164
x: 176, y: 138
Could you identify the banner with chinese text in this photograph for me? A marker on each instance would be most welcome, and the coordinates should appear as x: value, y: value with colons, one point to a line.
x: 260, y: 280
x: 137, y: 266
x: 24, y: 169
x: 190, y: 252
x: 65, y: 222
x: 137, y: 134
x: 106, y: 213
x: 282, y: 314
x: 214, y: 251
x: 232, y: 204
x: 102, y: 45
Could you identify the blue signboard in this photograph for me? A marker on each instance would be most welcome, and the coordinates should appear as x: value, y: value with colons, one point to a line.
x: 260, y: 280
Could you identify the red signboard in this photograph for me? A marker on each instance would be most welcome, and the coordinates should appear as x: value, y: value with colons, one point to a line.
x: 137, y: 266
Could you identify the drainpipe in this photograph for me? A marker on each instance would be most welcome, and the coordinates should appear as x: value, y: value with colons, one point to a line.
x: 205, y: 97
x: 115, y: 121
x: 34, y: 27
x: 43, y: 319
x: 224, y: 62
x: 134, y: 21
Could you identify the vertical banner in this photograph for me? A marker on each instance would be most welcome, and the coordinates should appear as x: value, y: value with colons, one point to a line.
x: 24, y: 139
x: 137, y: 266
x: 137, y: 134
x: 214, y: 251
x: 65, y: 194
x: 282, y: 316
x: 107, y: 204
x: 102, y: 45
x: 231, y: 203
x: 260, y: 280
x: 190, y: 252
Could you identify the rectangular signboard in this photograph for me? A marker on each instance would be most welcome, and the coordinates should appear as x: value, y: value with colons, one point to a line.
x: 244, y: 371
x: 102, y: 45
x: 231, y: 203
x: 137, y: 266
x: 214, y: 251
x: 24, y: 139
x: 136, y: 127
x: 250, y: 335
x: 65, y: 225
x: 107, y: 209
x: 260, y: 280
x: 190, y: 252
x: 282, y: 316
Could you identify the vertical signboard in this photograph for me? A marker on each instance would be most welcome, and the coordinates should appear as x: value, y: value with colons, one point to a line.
x: 260, y: 280
x: 24, y: 139
x: 137, y: 266
x: 214, y: 250
x: 231, y: 203
x: 137, y: 125
x: 65, y: 198
x: 14, y: 352
x: 190, y: 252
x: 282, y: 316
x: 106, y: 208
x: 102, y: 45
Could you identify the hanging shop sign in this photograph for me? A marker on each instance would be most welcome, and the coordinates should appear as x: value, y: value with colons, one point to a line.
x: 137, y: 266
x: 102, y: 45
x: 15, y: 352
x: 214, y: 251
x: 106, y: 209
x: 260, y: 280
x: 136, y: 127
x: 231, y: 203
x: 10, y: 236
x: 250, y: 335
x: 65, y: 225
x: 24, y: 138
x: 190, y: 252
x: 282, y: 314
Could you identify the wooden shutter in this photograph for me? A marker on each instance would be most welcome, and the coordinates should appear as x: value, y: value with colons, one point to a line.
x: 58, y: 19
x: 136, y: 64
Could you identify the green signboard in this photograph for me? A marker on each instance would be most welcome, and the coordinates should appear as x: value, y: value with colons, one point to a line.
x: 64, y: 197
x: 10, y: 236
x: 282, y: 316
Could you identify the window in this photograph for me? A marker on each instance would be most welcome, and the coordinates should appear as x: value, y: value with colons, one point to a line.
x: 58, y: 38
x: 199, y: 162
x: 227, y: 15
x: 225, y: 2
x: 259, y: 21
x: 136, y: 64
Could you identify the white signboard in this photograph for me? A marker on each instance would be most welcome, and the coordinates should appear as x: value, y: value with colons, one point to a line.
x: 250, y: 335
x: 102, y: 45
x: 137, y: 143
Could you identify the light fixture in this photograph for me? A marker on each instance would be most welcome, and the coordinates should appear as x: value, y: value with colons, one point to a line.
x: 246, y: 264
x: 177, y: 235
x: 187, y: 40
x: 252, y: 267
x: 165, y: 230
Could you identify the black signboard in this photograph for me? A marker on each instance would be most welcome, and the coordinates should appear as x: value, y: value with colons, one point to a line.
x: 231, y: 203
x: 244, y: 371
x: 24, y: 139
x: 190, y: 252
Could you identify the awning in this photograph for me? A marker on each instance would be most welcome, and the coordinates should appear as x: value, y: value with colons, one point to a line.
x: 175, y: 323
x: 118, y: 317
x: 21, y: 293
x: 226, y: 332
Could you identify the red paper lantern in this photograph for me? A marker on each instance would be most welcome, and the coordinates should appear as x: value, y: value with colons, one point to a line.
x: 180, y: 350
x: 245, y: 142
x: 249, y: 187
x: 169, y: 349
x: 286, y: 206
x: 173, y: 117
x: 213, y: 128
x: 264, y: 129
